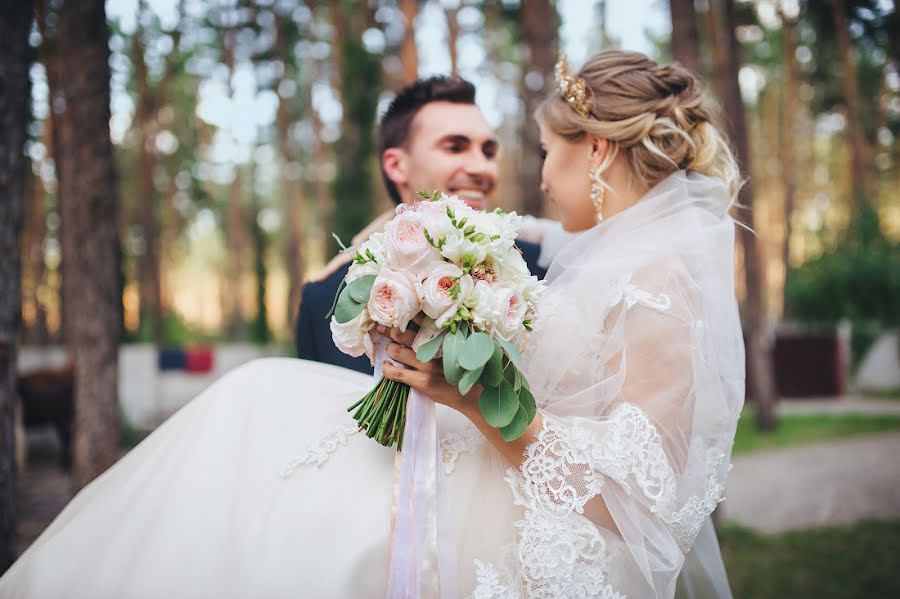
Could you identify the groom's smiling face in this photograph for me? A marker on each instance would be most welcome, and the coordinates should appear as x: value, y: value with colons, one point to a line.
x: 451, y: 147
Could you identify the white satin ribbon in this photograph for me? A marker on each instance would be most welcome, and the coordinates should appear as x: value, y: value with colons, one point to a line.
x: 423, y: 560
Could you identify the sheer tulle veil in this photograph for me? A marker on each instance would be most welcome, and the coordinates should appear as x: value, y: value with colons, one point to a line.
x: 637, y: 365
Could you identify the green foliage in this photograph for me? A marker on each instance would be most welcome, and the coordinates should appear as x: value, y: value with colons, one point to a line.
x: 858, y: 280
x: 353, y: 299
x: 825, y: 563
x: 795, y: 429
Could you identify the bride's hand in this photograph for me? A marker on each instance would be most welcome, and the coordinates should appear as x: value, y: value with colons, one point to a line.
x: 425, y: 377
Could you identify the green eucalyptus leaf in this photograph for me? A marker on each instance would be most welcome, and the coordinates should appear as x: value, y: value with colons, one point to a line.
x: 493, y: 370
x: 516, y: 426
x: 499, y: 404
x: 526, y: 400
x: 427, y: 351
x: 511, y: 351
x: 469, y: 379
x: 361, y: 288
x: 452, y: 370
x: 476, y: 351
x: 346, y: 308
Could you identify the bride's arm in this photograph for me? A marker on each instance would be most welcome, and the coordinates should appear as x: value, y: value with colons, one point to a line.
x: 428, y: 378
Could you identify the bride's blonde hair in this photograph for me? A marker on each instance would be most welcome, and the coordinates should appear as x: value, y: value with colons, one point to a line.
x: 659, y: 116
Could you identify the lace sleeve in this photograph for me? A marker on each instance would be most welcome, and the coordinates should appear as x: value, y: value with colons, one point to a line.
x: 627, y: 489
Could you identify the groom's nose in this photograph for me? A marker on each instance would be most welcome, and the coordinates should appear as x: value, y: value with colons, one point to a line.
x: 479, y: 166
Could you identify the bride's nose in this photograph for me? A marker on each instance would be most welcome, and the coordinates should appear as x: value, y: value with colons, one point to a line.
x: 544, y: 189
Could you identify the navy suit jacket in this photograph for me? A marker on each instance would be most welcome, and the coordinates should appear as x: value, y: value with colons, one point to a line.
x: 312, y: 337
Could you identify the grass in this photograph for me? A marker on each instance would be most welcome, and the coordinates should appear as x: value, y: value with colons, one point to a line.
x: 841, y: 562
x: 795, y: 429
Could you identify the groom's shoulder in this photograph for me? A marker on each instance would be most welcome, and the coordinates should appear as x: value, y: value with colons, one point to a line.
x: 325, y: 289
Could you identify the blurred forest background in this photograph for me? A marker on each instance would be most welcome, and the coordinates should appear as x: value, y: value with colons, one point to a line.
x: 186, y: 161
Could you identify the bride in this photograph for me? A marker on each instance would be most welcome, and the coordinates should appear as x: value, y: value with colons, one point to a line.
x: 260, y: 487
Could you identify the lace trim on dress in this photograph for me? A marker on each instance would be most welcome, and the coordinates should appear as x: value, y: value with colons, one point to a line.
x: 454, y: 444
x: 685, y: 523
x: 317, y: 453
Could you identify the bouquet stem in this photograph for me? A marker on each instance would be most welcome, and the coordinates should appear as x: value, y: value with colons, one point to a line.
x: 382, y: 412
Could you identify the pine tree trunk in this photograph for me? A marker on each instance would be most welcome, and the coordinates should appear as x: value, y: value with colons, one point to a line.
x: 145, y: 119
x: 685, y: 46
x: 758, y: 346
x: 788, y: 135
x: 539, y: 22
x: 409, y: 56
x: 15, y: 21
x: 90, y: 243
x: 453, y: 39
x: 859, y: 159
x: 291, y: 189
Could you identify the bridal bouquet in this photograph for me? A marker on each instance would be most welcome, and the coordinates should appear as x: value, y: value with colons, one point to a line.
x: 458, y: 273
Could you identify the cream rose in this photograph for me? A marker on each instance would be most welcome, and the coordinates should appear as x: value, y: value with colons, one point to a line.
x: 352, y: 337
x: 512, y: 311
x: 395, y: 299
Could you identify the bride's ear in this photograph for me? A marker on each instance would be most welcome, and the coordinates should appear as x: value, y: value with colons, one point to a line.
x: 599, y: 146
x: 393, y: 161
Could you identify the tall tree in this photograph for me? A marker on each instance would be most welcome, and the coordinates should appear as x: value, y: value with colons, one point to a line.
x: 353, y: 187
x: 151, y: 97
x: 859, y: 151
x: 453, y: 38
x: 409, y: 56
x: 758, y: 347
x: 685, y: 45
x: 90, y: 242
x: 789, y: 110
x: 15, y: 20
x: 539, y: 24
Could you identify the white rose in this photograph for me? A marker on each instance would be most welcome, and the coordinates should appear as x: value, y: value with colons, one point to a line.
x: 352, y: 337
x: 395, y: 299
x: 405, y: 245
x: 482, y: 304
x: 512, y: 307
x: 438, y: 303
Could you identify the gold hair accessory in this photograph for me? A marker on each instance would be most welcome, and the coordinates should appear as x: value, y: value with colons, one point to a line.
x: 573, y: 89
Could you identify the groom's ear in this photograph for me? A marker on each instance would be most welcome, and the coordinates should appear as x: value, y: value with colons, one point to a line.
x: 394, y: 163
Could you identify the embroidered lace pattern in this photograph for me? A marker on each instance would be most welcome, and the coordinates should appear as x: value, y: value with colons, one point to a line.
x: 455, y: 444
x: 317, y: 453
x: 561, y: 553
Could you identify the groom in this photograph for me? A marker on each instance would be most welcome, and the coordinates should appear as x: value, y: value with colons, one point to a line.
x: 432, y: 136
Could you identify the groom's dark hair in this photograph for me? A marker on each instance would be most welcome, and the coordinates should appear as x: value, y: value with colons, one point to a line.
x: 396, y: 123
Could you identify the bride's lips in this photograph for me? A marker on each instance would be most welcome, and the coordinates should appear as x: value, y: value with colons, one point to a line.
x: 474, y: 198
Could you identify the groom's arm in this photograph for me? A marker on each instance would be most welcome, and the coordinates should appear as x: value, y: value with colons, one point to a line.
x: 304, y: 333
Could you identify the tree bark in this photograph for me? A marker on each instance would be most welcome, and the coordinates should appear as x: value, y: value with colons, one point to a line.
x: 758, y: 346
x: 90, y: 243
x: 685, y: 45
x: 236, y: 230
x: 409, y: 56
x: 859, y: 151
x: 539, y: 22
x: 291, y: 189
x: 453, y: 39
x: 788, y: 134
x: 15, y: 21
x: 145, y: 125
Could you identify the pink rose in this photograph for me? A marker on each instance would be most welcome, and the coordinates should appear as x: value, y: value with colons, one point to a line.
x: 395, y: 299
x: 438, y: 301
x: 406, y: 247
x: 512, y: 311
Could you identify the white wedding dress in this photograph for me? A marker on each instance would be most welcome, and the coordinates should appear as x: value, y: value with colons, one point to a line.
x: 260, y: 487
